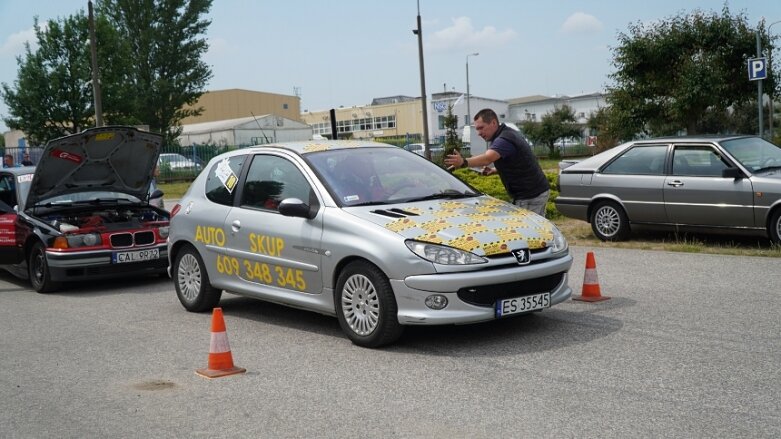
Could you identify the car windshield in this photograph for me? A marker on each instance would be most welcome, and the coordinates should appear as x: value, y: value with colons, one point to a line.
x: 373, y: 176
x: 90, y: 197
x: 754, y: 154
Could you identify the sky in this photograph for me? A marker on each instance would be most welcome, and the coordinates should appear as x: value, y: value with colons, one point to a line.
x: 347, y: 52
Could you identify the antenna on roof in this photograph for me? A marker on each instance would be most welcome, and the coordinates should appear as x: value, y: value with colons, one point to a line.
x: 261, y: 128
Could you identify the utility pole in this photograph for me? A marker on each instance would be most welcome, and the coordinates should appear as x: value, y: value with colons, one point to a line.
x: 419, y: 33
x: 759, y: 89
x: 468, y: 113
x: 95, y: 72
x: 770, y: 72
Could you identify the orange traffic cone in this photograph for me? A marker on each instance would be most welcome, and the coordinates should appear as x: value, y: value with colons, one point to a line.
x: 220, y: 358
x: 590, y: 292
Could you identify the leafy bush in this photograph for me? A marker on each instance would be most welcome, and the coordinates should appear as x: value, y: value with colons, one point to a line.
x: 492, y: 185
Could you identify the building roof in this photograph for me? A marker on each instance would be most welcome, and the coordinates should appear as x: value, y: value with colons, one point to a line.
x: 250, y: 122
x: 532, y: 99
x: 392, y: 100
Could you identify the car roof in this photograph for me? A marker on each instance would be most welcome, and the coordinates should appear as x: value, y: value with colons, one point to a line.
x: 697, y: 138
x: 310, y: 146
x: 593, y: 163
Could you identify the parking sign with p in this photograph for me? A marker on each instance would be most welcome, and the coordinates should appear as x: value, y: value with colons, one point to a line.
x: 757, y: 69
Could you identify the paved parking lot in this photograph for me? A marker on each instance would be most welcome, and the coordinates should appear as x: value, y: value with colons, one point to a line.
x: 688, y: 346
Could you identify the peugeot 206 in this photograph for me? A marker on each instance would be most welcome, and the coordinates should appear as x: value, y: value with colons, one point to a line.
x: 370, y: 233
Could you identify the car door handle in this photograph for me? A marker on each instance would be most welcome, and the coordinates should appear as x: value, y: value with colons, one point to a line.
x: 675, y: 183
x: 235, y: 226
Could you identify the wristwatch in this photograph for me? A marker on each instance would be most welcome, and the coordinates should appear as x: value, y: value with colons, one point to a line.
x: 465, y: 164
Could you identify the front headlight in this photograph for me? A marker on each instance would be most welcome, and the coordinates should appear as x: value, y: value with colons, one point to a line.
x: 83, y: 240
x: 442, y: 254
x: 559, y: 243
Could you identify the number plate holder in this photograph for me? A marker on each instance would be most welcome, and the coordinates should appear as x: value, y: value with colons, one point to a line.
x: 149, y: 254
x: 520, y: 305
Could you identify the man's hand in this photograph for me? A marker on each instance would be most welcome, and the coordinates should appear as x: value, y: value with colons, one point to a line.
x: 488, y: 170
x: 454, y: 160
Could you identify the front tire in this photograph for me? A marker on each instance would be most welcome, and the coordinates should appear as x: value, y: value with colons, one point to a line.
x: 191, y: 282
x: 38, y: 270
x: 775, y: 227
x: 609, y: 221
x: 366, y: 306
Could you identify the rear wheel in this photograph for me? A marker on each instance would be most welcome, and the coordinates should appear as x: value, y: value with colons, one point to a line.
x: 366, y: 306
x: 775, y: 227
x: 38, y: 270
x: 609, y: 221
x: 191, y: 282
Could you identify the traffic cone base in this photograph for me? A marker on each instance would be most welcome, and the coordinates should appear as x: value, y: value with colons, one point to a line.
x: 209, y: 373
x: 220, y: 357
x: 590, y: 299
x: 590, y: 292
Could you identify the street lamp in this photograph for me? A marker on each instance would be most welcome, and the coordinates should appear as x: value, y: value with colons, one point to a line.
x: 468, y: 112
x: 770, y: 71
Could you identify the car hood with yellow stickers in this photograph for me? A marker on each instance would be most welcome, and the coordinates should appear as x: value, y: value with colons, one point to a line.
x: 482, y: 225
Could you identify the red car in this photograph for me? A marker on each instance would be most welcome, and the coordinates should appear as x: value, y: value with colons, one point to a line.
x: 83, y: 212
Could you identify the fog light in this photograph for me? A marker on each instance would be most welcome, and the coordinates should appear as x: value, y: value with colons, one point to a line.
x: 436, y: 301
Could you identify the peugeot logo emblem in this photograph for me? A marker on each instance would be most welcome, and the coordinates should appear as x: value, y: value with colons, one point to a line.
x: 522, y: 256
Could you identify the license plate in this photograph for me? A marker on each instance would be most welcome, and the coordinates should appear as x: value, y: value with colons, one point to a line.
x: 519, y: 305
x: 135, y: 256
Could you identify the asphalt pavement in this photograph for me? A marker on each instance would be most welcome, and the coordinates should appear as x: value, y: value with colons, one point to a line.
x: 687, y: 346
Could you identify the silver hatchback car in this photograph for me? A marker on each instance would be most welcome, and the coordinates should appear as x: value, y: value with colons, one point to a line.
x: 704, y: 184
x: 367, y: 232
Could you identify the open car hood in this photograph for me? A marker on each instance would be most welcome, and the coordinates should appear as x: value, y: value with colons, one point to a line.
x: 114, y: 158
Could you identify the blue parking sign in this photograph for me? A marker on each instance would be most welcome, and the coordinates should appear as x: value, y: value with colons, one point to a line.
x: 757, y: 69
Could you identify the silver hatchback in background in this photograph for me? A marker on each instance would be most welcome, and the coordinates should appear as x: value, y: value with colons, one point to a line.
x: 705, y: 184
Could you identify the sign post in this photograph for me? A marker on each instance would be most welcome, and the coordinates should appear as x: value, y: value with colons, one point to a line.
x: 757, y: 71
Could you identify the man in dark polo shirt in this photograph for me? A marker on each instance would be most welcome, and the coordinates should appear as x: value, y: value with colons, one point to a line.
x: 513, y: 159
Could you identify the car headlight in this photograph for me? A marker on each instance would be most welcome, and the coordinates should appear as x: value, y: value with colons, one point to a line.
x: 84, y: 240
x: 163, y: 231
x: 442, y: 254
x: 559, y: 242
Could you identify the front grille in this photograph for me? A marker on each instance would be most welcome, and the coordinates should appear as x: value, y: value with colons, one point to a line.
x: 144, y: 238
x: 487, y: 295
x: 123, y: 240
x: 533, y: 251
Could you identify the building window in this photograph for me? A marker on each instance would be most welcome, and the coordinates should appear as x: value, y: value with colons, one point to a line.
x: 441, y: 122
x: 284, y: 106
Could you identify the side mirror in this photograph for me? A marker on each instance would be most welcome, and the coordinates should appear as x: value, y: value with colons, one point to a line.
x: 157, y: 193
x: 732, y: 173
x: 296, y: 208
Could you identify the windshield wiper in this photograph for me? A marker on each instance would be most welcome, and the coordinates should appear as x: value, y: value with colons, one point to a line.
x: 368, y: 203
x: 769, y: 168
x: 448, y: 194
x: 104, y: 200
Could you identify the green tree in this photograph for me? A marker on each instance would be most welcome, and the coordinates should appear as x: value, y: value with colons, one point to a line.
x: 672, y: 73
x: 51, y: 96
x: 558, y: 123
x: 164, y: 38
x: 452, y: 140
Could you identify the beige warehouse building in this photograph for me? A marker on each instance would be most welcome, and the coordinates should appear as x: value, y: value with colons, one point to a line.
x: 237, y: 103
